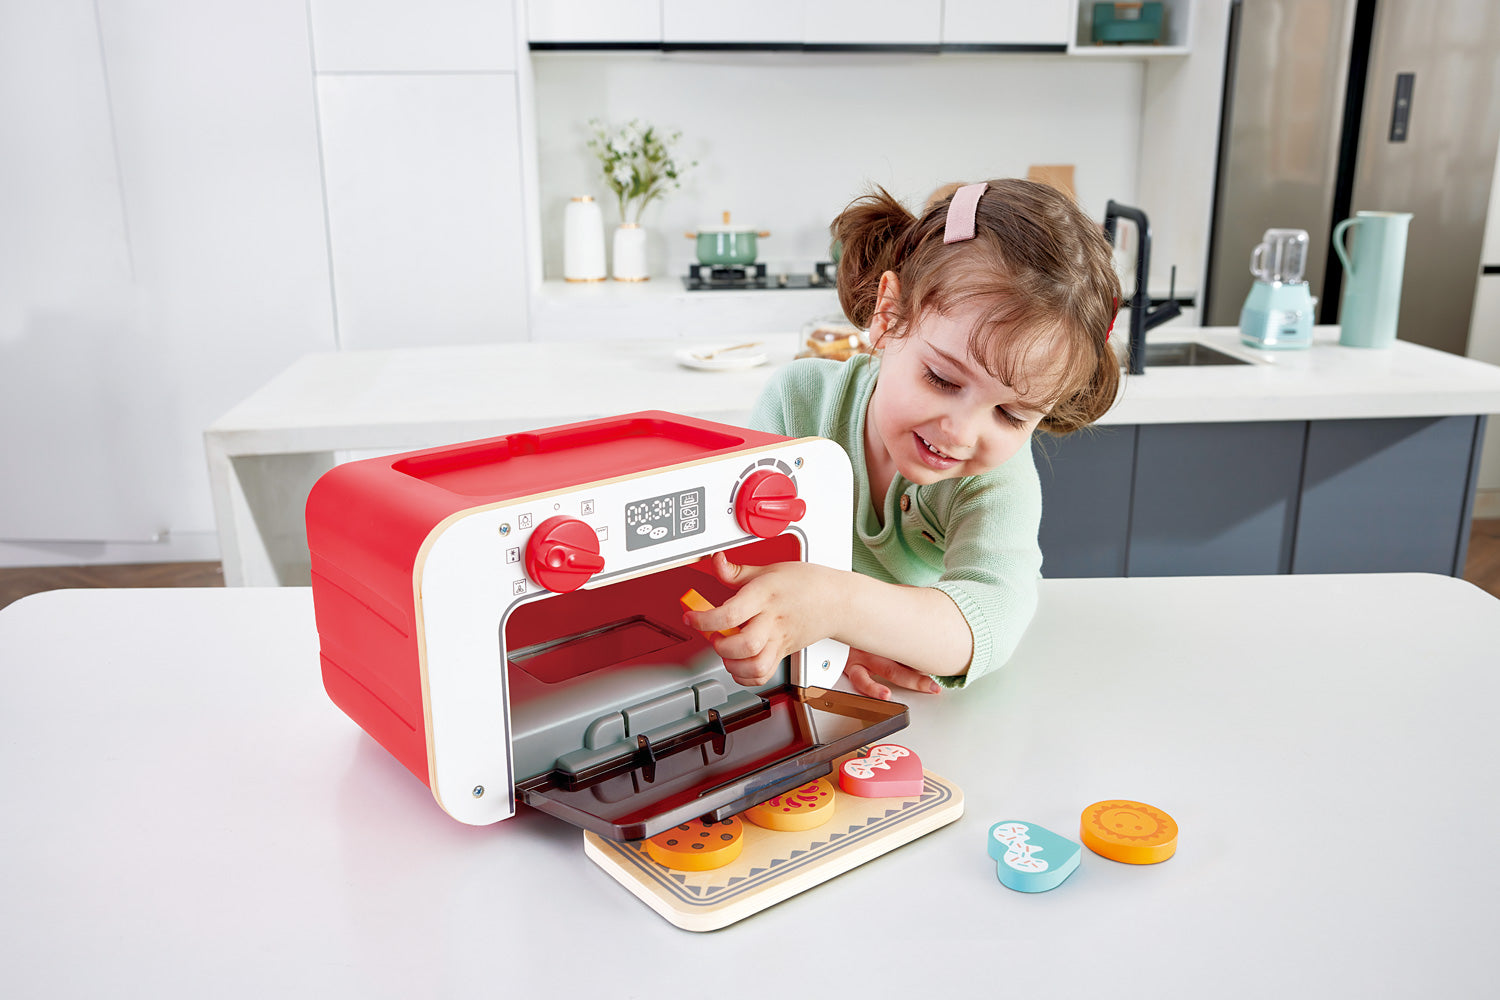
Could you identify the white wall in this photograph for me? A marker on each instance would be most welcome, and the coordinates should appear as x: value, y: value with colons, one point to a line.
x: 785, y: 140
x: 164, y: 254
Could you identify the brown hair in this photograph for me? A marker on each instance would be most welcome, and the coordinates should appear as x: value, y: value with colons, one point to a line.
x: 1041, y: 268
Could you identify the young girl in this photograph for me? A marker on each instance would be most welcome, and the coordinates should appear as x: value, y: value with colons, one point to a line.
x: 991, y: 313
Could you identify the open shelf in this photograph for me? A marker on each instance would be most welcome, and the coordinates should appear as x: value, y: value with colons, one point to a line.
x: 1177, y: 18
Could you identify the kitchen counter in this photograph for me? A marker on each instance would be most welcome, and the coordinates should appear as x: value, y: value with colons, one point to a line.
x: 265, y: 453
x: 1324, y: 382
x: 188, y: 814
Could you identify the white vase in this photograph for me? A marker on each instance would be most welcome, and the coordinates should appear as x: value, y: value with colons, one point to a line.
x: 630, y: 252
x: 583, y: 241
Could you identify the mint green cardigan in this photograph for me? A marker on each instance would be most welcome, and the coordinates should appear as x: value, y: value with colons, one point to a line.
x: 974, y: 538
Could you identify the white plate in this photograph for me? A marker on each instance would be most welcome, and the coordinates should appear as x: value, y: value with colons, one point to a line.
x: 729, y: 357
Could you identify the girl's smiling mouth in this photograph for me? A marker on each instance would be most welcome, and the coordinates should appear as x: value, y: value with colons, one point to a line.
x: 931, y: 455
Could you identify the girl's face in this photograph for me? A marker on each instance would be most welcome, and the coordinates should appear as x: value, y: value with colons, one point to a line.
x: 937, y: 413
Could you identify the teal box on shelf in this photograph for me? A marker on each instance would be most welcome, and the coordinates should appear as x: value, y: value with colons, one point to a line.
x: 1134, y: 23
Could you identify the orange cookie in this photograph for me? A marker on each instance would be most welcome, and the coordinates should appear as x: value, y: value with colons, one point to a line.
x: 696, y: 846
x: 1132, y: 832
x: 694, y: 601
x: 800, y: 809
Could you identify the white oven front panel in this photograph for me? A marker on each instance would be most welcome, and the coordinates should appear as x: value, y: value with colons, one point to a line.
x: 472, y: 573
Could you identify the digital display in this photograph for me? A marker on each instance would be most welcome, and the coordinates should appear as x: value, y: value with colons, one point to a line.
x: 661, y: 519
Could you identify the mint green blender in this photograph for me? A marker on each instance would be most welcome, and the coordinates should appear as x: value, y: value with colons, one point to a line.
x: 1278, y: 312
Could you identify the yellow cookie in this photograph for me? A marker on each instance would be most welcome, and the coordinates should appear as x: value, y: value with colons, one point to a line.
x: 800, y: 809
x: 1132, y: 832
x: 696, y: 846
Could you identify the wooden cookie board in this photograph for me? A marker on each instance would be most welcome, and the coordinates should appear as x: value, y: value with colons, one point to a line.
x: 777, y: 865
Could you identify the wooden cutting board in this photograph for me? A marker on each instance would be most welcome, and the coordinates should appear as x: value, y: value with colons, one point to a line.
x: 777, y: 865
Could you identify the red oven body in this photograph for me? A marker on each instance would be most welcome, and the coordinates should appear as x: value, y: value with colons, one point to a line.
x: 435, y: 572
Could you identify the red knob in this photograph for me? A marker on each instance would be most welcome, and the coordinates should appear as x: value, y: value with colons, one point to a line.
x: 767, y: 503
x: 562, y: 554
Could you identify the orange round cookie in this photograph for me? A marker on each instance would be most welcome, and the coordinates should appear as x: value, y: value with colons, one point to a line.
x: 1127, y: 831
x: 800, y: 809
x: 696, y: 846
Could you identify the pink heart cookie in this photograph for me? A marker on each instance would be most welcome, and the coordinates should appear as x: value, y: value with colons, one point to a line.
x: 889, y: 770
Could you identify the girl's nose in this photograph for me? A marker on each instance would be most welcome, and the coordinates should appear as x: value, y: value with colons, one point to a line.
x: 962, y: 428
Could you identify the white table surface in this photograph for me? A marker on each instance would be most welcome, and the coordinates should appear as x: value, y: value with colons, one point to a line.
x: 187, y: 815
x: 265, y: 453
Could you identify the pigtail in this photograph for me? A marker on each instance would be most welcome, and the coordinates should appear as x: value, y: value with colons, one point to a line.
x: 874, y: 234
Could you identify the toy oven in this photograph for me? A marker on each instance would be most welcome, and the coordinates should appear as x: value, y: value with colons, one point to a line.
x: 503, y: 616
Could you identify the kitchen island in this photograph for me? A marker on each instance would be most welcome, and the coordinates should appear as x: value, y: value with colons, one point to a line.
x: 1212, y: 469
x: 188, y: 814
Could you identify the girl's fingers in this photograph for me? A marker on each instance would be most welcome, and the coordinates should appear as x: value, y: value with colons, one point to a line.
x: 734, y: 574
x: 750, y: 672
x: 862, y: 683
x: 890, y: 671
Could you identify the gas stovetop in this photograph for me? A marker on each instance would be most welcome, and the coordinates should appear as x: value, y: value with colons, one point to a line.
x: 701, y: 278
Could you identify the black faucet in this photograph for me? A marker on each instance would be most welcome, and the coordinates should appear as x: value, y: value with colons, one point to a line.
x: 1141, y: 317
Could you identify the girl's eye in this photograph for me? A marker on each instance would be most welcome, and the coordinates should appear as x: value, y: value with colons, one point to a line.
x: 938, y: 380
x: 1009, y: 417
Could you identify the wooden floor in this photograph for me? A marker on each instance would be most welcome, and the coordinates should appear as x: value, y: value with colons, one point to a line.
x: 1481, y: 569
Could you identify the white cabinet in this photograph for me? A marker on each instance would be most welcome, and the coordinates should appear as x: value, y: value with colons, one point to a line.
x: 425, y: 216
x: 763, y: 22
x: 1008, y: 22
x: 424, y: 36
x: 1049, y: 25
x: 873, y: 22
x: 593, y: 22
x: 420, y: 130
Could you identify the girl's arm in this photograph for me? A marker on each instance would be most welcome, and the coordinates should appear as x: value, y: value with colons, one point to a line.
x: 778, y: 609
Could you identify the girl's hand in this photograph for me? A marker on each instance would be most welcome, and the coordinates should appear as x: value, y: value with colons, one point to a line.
x: 778, y: 609
x: 866, y: 671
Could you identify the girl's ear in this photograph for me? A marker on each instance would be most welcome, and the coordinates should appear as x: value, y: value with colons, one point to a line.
x: 886, y: 298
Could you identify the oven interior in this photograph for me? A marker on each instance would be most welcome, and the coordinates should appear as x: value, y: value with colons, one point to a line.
x: 625, y: 722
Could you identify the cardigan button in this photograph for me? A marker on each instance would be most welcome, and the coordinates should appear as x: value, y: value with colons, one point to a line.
x: 906, y: 501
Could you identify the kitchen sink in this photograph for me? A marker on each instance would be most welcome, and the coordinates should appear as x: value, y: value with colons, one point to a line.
x: 1178, y: 355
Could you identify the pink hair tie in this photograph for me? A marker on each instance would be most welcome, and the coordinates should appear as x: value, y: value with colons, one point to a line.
x: 1112, y: 318
x: 962, y: 208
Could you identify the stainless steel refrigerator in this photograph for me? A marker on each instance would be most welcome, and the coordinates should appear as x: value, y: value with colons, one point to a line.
x: 1337, y: 106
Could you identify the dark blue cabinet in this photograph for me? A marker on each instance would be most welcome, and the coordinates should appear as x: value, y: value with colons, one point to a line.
x: 1215, y: 499
x: 1326, y: 496
x: 1086, y: 481
x: 1387, y: 496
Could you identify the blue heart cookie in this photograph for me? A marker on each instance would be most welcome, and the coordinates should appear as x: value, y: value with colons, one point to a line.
x: 1031, y: 858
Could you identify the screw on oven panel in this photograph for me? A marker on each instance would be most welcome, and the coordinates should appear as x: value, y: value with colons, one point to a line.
x: 825, y: 664
x: 478, y: 791
x: 797, y: 463
x: 504, y: 529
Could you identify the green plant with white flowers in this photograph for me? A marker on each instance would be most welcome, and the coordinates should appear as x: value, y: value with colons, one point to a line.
x: 638, y: 164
